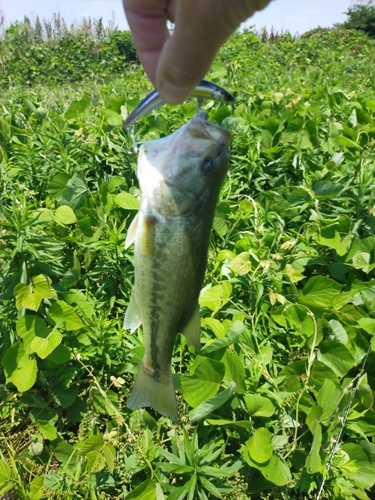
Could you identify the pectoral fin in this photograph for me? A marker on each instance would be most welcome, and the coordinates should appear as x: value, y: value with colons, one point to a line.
x: 132, y: 318
x: 192, y: 330
x: 130, y: 237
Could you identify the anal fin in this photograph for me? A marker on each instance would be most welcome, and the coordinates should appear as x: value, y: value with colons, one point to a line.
x: 192, y: 330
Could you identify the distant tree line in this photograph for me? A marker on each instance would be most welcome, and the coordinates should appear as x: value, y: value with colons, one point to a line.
x: 361, y: 17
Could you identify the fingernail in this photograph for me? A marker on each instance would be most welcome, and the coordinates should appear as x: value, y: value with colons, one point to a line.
x: 172, y: 94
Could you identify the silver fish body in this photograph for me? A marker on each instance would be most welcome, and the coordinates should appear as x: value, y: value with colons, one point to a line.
x: 180, y: 177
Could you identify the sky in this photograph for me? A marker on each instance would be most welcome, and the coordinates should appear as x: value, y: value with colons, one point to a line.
x: 295, y: 16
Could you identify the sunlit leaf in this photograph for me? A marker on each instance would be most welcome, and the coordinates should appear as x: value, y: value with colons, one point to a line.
x: 212, y: 404
x: 127, y: 201
x: 60, y: 311
x: 259, y: 406
x: 204, y: 383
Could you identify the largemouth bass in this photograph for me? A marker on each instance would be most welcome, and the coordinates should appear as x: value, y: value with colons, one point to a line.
x: 180, y: 177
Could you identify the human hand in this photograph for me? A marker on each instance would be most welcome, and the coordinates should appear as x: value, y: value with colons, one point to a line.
x: 176, y: 64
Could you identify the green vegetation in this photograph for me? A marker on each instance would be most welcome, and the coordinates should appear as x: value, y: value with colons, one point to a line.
x: 362, y: 17
x: 284, y: 382
x: 50, y: 52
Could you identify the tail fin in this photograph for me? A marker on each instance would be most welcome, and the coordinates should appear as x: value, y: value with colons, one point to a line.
x: 149, y: 391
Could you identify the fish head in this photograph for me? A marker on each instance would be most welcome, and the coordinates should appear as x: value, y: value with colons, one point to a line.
x: 180, y: 170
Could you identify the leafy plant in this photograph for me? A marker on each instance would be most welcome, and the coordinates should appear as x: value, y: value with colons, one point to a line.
x: 279, y: 402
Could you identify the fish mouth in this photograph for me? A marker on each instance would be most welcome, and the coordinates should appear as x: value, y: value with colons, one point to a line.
x: 201, y: 128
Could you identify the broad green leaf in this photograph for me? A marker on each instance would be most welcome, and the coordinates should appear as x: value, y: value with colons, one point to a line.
x: 232, y: 336
x: 320, y: 372
x: 299, y: 195
x: 61, y: 311
x: 216, y: 326
x: 275, y: 470
x: 145, y: 491
x: 25, y: 377
x: 51, y: 481
x: 74, y: 193
x: 368, y: 324
x: 220, y: 225
x: 294, y: 275
x: 212, y: 404
x: 259, y: 406
x: 313, y: 418
x: 127, y: 201
x: 95, y: 462
x: 30, y: 296
x: 265, y: 354
x: 43, y: 286
x: 328, y: 398
x: 326, y: 189
x: 104, y: 405
x: 57, y: 185
x: 313, y: 460
x: 204, y: 383
x: 241, y: 264
x: 272, y: 125
x: 19, y: 368
x: 319, y: 292
x: 234, y: 370
x: 44, y: 346
x: 362, y: 260
x: 113, y: 118
x: 82, y: 302
x: 370, y: 104
x: 36, y: 488
x: 348, y: 143
x: 360, y: 468
x: 216, y: 297
x: 218, y: 71
x: 78, y: 108
x: 220, y: 114
x: 336, y: 356
x: 65, y: 215
x: 93, y: 443
x: 60, y: 355
x: 47, y: 429
x: 63, y: 451
x: 116, y: 103
x: 65, y: 397
x: 70, y: 278
x: 338, y: 331
x: 28, y: 326
x: 109, y: 453
x: 259, y: 445
x: 5, y: 472
x: 114, y: 182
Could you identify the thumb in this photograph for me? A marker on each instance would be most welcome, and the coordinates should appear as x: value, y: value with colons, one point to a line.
x: 201, y: 27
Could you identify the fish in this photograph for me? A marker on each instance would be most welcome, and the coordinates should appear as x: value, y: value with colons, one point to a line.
x: 180, y: 177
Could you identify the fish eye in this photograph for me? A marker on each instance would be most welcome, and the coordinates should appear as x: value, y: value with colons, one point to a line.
x: 209, y: 165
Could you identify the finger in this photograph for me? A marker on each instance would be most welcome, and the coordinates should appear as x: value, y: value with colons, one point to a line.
x: 201, y: 27
x: 148, y: 23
